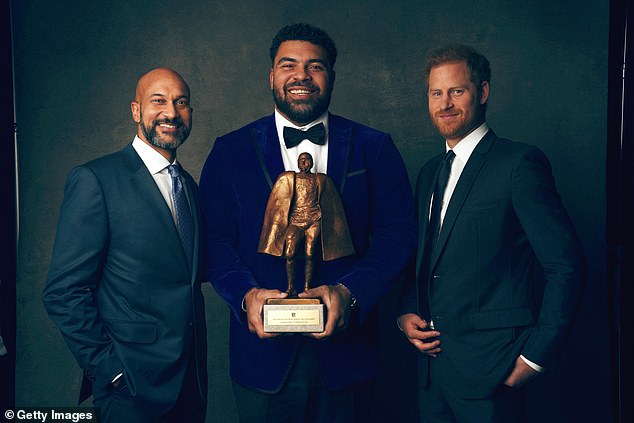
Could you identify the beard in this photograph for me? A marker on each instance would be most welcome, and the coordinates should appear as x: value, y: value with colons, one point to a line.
x: 459, y: 129
x: 301, y: 112
x: 166, y: 142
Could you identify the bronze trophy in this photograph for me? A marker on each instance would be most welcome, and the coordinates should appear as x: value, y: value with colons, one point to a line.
x: 303, y: 207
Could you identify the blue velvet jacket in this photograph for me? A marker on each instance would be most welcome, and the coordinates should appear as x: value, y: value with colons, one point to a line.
x: 235, y: 184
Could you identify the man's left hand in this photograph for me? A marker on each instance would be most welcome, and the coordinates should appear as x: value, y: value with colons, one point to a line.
x: 520, y: 374
x: 337, y: 300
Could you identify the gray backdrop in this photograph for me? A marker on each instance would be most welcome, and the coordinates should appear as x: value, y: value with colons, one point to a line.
x: 77, y: 63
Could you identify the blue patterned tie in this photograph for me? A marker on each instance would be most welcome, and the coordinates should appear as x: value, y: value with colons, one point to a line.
x: 184, y: 220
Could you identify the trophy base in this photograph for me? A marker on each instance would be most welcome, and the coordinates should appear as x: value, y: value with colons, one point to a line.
x: 288, y: 315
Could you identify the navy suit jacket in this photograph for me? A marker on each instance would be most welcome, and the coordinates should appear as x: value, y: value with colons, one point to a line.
x: 235, y: 184
x: 507, y: 271
x: 119, y: 286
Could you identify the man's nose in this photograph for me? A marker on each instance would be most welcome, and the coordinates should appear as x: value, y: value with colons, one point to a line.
x: 301, y: 74
x: 446, y: 101
x: 169, y: 110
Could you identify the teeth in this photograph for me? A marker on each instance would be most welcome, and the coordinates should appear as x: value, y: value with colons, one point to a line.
x: 167, y: 125
x: 300, y: 91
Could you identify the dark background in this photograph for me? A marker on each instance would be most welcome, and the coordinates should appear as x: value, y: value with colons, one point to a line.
x: 76, y: 64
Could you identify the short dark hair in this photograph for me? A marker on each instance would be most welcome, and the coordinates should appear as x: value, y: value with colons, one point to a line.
x: 478, y: 65
x: 304, y: 32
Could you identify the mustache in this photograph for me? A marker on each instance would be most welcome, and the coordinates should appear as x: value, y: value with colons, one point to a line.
x: 306, y: 84
x: 178, y: 122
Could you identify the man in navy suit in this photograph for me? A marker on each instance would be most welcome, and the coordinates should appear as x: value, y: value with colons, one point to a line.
x: 499, y: 268
x: 123, y: 285
x: 324, y: 376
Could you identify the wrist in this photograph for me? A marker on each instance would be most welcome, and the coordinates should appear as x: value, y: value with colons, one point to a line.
x: 352, y: 303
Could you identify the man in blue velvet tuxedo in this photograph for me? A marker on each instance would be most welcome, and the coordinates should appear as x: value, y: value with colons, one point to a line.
x: 321, y: 376
x: 123, y: 285
x: 499, y: 269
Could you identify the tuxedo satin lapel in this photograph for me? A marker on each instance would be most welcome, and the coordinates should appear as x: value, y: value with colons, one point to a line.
x: 339, y: 151
x: 268, y: 146
x: 147, y: 190
x: 467, y: 178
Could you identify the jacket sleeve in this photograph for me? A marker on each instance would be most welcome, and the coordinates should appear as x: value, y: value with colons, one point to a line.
x: 223, y: 267
x: 555, y: 244
x: 392, y: 228
x: 74, y: 273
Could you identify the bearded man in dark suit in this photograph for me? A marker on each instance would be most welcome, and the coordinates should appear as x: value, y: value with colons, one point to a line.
x: 123, y: 285
x: 499, y: 269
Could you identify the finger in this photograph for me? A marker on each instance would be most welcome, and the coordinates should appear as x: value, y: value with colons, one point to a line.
x: 429, y: 335
x: 317, y: 292
x: 428, y: 346
x: 421, y: 334
x: 433, y: 351
x: 276, y: 294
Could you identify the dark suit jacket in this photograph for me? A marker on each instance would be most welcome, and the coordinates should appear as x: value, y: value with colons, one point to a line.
x: 507, y: 270
x: 119, y: 287
x: 374, y: 187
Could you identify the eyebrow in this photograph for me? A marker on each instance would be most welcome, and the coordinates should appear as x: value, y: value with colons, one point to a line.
x: 291, y: 59
x: 457, y: 87
x: 163, y: 95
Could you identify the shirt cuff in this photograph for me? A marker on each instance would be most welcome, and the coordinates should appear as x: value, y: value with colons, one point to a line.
x: 353, y: 299
x: 117, y: 377
x: 534, y: 366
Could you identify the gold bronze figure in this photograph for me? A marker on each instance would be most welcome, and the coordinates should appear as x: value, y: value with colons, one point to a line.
x: 304, y: 206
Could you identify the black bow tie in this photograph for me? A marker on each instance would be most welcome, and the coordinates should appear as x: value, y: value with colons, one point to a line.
x: 316, y: 135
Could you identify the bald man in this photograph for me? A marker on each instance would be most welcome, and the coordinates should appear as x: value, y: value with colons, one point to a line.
x: 123, y: 285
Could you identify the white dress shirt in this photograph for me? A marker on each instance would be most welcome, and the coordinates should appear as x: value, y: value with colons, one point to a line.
x: 463, y: 151
x: 157, y: 165
x: 290, y: 155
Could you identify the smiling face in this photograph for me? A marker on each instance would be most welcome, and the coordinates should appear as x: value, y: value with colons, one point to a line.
x: 162, y: 111
x: 301, y: 81
x: 456, y: 105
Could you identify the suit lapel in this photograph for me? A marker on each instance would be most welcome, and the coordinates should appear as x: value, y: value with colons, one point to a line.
x: 147, y: 190
x: 267, y: 148
x: 425, y: 189
x: 339, y: 151
x: 468, y: 176
x: 192, y: 195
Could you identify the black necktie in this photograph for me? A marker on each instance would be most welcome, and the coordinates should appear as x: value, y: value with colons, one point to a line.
x: 316, y: 135
x: 439, y: 192
x: 433, y: 229
x: 184, y: 220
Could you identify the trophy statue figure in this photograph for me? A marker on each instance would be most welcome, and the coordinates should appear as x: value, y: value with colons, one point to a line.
x: 304, y: 206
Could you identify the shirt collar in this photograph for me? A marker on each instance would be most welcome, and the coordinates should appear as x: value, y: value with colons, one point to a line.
x: 465, y: 147
x: 281, y: 122
x: 152, y: 159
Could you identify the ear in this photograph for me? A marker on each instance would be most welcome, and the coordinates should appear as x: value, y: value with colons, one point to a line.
x: 271, y: 79
x: 136, y: 111
x: 484, y: 92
